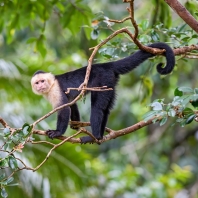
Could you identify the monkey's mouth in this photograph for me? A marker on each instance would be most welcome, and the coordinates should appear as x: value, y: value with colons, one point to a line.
x: 41, y: 90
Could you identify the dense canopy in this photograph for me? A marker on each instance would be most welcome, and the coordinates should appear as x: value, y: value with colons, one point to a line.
x: 159, y: 159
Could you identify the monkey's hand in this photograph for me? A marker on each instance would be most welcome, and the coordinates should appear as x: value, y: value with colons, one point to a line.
x: 53, y: 133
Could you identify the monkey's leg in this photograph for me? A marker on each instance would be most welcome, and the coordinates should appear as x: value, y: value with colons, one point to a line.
x: 97, y: 116
x: 75, y: 115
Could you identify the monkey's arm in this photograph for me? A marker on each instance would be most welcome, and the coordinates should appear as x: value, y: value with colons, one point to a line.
x: 62, y: 123
x: 75, y: 115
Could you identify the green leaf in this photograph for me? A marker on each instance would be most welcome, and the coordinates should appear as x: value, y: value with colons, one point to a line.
x: 94, y: 34
x: 190, y: 119
x: 183, y: 123
x: 99, y: 16
x: 6, y: 146
x: 186, y: 38
x: 163, y: 121
x: 182, y: 27
x: 186, y: 99
x: 178, y: 92
x: 194, y: 103
x: 194, y: 36
x: 12, y: 163
x: 4, y: 193
x: 186, y: 89
x: 176, y: 101
x: 157, y: 106
x: 3, y: 163
x: 180, y: 120
x: 26, y: 129
x: 87, y: 31
x: 187, y: 111
x: 9, y: 180
x: 15, y: 184
x: 172, y: 112
x: 195, y: 97
x: 150, y: 115
x: 70, y: 11
x: 144, y: 24
x: 155, y: 36
x: 2, y: 176
x: 40, y: 46
x: 31, y: 40
x: 6, y: 132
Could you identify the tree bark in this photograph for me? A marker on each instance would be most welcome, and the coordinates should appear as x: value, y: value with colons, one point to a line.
x: 183, y: 13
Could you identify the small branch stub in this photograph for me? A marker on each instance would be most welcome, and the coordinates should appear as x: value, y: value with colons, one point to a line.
x: 126, y: 1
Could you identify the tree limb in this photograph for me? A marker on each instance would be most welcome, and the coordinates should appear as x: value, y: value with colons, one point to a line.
x: 183, y: 13
x: 112, y: 134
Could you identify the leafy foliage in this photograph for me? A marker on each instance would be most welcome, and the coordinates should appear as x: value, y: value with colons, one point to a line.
x: 177, y: 108
x: 158, y: 161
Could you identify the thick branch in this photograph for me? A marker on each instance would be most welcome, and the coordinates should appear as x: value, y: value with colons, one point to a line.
x: 183, y: 13
x: 185, y: 49
x: 5, y: 125
x: 111, y: 133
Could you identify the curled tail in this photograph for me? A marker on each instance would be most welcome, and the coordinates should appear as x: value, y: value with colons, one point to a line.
x: 129, y: 63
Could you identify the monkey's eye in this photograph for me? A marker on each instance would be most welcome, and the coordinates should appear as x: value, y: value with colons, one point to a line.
x: 36, y: 83
x: 42, y: 81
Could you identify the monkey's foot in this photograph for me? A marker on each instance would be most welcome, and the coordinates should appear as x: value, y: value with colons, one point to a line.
x: 53, y: 133
x: 87, y: 139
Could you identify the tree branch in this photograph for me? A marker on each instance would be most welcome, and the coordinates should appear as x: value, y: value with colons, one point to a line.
x: 183, y: 13
x: 112, y: 134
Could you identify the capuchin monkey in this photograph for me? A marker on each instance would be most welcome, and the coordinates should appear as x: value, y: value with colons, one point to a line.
x: 53, y: 88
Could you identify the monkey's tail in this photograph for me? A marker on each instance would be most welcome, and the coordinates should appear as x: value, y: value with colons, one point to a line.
x: 131, y: 62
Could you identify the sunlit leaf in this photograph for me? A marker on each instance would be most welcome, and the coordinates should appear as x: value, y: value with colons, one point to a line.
x: 156, y: 106
x: 2, y: 176
x: 9, y: 180
x: 150, y: 115
x: 172, y: 112
x: 196, y: 90
x: 155, y: 37
x: 186, y: 89
x: 4, y: 194
x: 94, y: 34
x: 26, y: 129
x: 163, y: 120
x: 144, y: 24
x: 40, y: 46
x: 31, y: 40
x: 6, y: 132
x: 6, y: 146
x: 12, y: 163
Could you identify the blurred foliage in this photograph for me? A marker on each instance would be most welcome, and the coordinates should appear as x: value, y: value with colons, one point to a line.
x: 55, y: 36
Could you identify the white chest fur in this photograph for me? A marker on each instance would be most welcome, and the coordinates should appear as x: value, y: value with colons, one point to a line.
x: 54, y: 96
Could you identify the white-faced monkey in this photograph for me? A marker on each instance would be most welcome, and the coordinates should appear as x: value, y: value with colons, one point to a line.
x: 53, y: 88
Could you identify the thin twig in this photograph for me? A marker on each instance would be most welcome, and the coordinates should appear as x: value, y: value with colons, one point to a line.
x: 54, y: 147
x: 119, y: 21
x: 104, y: 88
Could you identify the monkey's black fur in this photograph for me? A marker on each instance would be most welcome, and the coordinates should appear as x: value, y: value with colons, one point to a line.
x: 104, y: 74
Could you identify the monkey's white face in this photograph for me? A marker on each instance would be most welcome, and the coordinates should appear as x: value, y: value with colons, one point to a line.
x: 42, y: 83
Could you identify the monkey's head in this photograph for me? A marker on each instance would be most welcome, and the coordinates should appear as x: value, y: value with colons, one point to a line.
x: 42, y: 82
